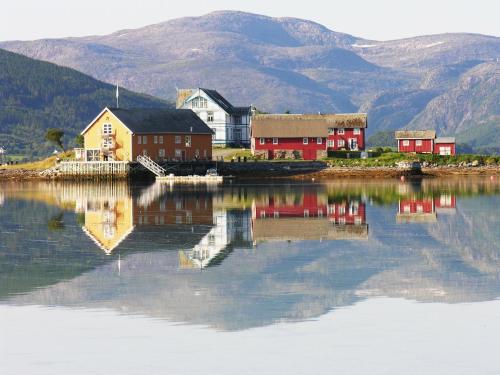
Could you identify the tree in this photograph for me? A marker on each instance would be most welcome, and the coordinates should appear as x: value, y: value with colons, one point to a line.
x: 55, y: 136
x: 80, y: 140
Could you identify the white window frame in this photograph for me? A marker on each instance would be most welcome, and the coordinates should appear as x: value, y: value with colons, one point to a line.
x: 177, y: 139
x: 161, y: 139
x: 161, y: 153
x: 357, y: 131
x: 139, y: 140
x: 107, y: 128
x: 340, y: 131
x: 319, y: 141
x: 275, y: 141
x: 331, y: 131
x: 210, y: 116
x: 155, y: 139
x: 418, y: 142
x: 262, y: 141
x: 187, y: 141
x: 144, y: 139
x: 340, y: 143
x: 330, y: 143
x: 406, y: 142
x: 305, y: 141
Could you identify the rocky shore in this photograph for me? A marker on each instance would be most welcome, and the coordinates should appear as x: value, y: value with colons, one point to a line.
x: 317, y: 170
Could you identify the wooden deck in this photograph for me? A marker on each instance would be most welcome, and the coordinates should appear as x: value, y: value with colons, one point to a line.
x: 94, y: 169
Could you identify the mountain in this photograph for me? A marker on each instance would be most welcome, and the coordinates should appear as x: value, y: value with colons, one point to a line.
x: 292, y: 64
x: 36, y: 95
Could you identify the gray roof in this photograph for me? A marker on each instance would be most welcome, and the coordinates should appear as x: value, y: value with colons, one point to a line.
x: 224, y: 104
x: 415, y: 134
x: 444, y: 140
x: 148, y: 120
x: 305, y: 125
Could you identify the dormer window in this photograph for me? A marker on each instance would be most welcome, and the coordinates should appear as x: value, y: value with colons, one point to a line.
x: 199, y: 102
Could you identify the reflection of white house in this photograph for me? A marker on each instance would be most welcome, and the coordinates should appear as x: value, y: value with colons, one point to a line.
x: 2, y: 199
x: 231, y: 227
x: 230, y: 124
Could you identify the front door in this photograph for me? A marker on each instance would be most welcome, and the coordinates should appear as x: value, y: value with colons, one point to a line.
x: 353, y: 144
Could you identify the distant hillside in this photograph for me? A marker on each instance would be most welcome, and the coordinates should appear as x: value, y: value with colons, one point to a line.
x: 281, y: 64
x: 36, y: 95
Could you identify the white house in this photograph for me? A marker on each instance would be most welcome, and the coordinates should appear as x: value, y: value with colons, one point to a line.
x: 231, y: 125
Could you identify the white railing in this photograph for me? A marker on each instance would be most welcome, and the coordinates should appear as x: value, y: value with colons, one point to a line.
x: 151, y: 165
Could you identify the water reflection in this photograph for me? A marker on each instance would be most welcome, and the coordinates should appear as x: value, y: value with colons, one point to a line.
x: 241, y: 255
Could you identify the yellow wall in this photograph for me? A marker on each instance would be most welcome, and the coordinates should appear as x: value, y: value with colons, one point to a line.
x: 123, y: 138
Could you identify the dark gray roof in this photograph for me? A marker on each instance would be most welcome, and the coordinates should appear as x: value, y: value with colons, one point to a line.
x: 152, y: 120
x: 224, y: 104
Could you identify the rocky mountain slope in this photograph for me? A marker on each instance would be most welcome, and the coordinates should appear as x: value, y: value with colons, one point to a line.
x: 291, y: 64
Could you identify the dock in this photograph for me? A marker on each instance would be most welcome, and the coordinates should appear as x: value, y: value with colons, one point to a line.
x: 192, y: 179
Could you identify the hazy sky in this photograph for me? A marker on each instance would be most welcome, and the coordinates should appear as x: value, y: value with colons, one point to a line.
x: 373, y: 19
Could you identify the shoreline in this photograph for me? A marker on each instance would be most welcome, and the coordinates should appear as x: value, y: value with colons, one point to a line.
x: 325, y: 173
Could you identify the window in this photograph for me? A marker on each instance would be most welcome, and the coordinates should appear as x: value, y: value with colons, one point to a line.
x: 319, y: 141
x: 446, y: 150
x: 357, y: 131
x: 161, y: 152
x: 331, y: 131
x: 107, y: 129
x: 139, y: 140
x: 210, y: 117
x: 178, y: 153
x: 306, y: 213
x: 418, y: 142
x: 262, y: 141
x: 107, y: 142
x: 161, y: 139
x: 406, y: 143
x: 276, y: 214
x: 305, y: 141
x: 93, y: 155
x: 275, y: 141
x: 155, y: 139
x: 144, y: 139
x: 237, y: 120
x: 330, y: 143
x: 177, y: 139
x: 188, y: 141
x: 340, y: 143
x: 341, y: 132
x: 406, y: 208
x: 145, y: 152
x: 197, y: 153
x: 199, y: 102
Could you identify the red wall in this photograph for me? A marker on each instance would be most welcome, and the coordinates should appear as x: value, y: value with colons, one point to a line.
x: 437, y: 147
x: 348, y: 133
x: 200, y: 142
x: 426, y: 147
x: 426, y: 205
x: 308, y: 151
x: 337, y: 212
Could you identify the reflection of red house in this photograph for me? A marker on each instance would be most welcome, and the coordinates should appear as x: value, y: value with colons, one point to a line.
x: 309, y: 218
x: 175, y: 209
x: 424, y: 209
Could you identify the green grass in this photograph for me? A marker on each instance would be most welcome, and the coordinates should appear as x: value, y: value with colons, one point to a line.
x: 390, y: 159
x: 40, y: 165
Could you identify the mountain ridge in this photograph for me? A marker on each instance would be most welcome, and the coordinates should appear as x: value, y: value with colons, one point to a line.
x: 281, y: 64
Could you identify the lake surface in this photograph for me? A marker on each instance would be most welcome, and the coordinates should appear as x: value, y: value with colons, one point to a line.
x: 347, y: 277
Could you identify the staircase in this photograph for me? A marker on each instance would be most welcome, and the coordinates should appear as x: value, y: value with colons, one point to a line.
x: 148, y: 163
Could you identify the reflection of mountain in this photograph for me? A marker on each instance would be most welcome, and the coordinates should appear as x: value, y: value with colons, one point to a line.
x: 456, y: 259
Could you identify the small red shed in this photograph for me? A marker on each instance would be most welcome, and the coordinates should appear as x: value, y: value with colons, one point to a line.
x: 424, y: 142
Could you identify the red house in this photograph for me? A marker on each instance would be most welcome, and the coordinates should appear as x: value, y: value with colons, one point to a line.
x: 308, y: 136
x: 425, y: 142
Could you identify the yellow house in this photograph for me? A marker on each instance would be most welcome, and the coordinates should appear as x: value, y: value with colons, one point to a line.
x: 123, y: 134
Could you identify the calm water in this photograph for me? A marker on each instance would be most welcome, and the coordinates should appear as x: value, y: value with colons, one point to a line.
x: 350, y: 277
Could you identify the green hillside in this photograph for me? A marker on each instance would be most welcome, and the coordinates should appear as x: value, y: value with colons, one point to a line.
x: 36, y: 95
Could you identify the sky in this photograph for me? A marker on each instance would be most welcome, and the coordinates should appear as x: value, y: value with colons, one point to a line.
x: 371, y: 19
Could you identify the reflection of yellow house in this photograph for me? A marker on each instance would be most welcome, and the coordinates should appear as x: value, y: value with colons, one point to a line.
x: 108, y: 223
